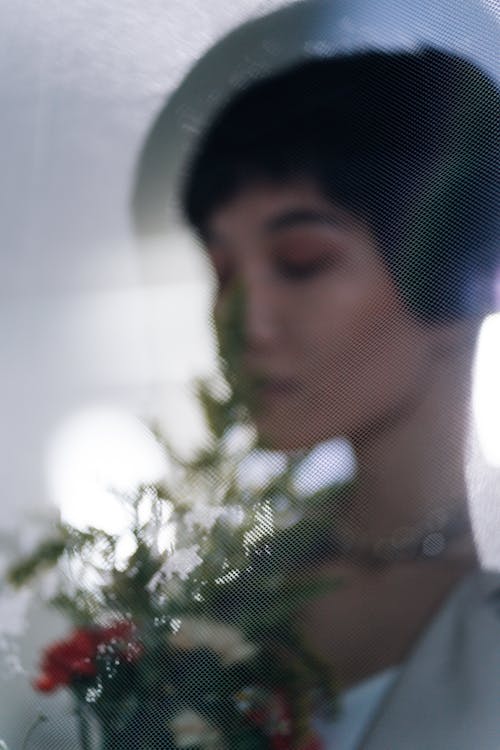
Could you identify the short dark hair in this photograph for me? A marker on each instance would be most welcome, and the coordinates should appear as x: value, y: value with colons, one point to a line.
x: 408, y: 141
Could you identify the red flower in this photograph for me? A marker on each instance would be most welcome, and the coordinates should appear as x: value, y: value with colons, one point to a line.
x: 280, y: 725
x: 280, y: 722
x: 76, y: 658
x: 123, y: 632
x: 276, y: 720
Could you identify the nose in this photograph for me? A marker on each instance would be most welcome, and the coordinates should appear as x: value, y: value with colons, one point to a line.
x: 259, y: 314
x: 248, y: 314
x: 264, y: 310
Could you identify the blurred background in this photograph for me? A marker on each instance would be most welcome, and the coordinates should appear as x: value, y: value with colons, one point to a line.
x: 99, y: 334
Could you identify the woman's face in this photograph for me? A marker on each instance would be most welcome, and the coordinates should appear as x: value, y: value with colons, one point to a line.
x: 327, y: 344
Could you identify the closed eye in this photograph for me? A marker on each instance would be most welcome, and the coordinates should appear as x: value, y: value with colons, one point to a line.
x: 303, y: 270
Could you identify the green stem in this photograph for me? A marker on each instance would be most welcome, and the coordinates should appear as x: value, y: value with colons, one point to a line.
x: 39, y: 720
x: 83, y: 727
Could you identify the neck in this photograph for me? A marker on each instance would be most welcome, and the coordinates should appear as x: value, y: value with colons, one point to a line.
x: 408, y: 468
x: 411, y: 469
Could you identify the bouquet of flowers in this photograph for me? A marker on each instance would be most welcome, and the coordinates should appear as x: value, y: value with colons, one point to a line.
x: 187, y: 639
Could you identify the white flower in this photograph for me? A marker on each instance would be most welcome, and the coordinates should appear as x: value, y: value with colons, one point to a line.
x: 233, y: 515
x: 49, y: 584
x: 259, y: 468
x: 165, y: 590
x: 285, y: 515
x: 181, y: 562
x: 239, y: 439
x: 190, y: 728
x: 330, y: 462
x: 203, y: 515
x: 226, y: 640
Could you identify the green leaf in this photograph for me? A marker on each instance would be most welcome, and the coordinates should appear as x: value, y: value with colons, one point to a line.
x: 46, y: 555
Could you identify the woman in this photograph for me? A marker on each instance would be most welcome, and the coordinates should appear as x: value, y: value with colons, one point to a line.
x: 350, y: 201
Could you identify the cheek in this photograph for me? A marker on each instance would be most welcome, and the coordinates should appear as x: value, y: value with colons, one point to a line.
x: 369, y: 356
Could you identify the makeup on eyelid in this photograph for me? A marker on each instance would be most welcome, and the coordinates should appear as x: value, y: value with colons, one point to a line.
x: 308, y: 254
x: 321, y: 355
x: 296, y: 261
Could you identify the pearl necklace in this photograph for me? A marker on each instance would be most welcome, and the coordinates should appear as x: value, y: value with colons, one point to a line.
x: 404, y: 545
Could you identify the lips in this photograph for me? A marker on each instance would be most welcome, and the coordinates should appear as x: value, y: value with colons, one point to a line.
x: 275, y: 386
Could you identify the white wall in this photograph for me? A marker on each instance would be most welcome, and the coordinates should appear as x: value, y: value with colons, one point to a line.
x: 81, y: 322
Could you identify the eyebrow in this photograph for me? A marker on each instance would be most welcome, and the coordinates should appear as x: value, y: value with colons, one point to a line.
x: 299, y: 217
x: 286, y: 220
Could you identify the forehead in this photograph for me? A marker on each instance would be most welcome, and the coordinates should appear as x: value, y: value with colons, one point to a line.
x: 265, y: 209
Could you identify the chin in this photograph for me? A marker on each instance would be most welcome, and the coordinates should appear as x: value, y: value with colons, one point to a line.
x: 290, y: 440
x: 285, y: 445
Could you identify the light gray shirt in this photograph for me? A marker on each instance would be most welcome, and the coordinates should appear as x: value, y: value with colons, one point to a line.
x: 357, y: 707
x: 447, y: 694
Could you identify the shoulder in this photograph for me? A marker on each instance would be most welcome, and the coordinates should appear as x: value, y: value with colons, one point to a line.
x: 447, y: 692
x: 477, y: 600
x: 487, y: 585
